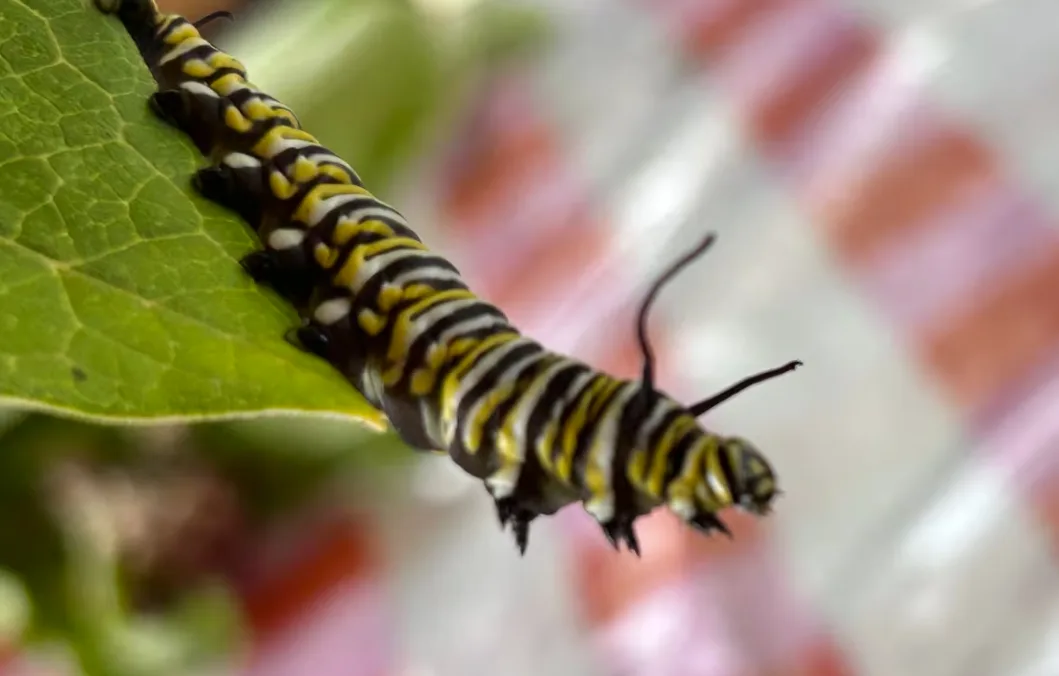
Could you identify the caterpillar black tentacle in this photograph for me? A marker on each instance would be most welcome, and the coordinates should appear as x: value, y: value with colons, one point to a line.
x: 541, y: 430
x: 711, y: 402
x: 213, y: 16
x: 647, y: 377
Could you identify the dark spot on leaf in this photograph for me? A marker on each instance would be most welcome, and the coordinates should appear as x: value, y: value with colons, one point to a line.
x: 79, y: 375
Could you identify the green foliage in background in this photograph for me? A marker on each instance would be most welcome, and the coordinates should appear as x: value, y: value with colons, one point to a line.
x: 63, y: 574
x: 377, y: 80
x: 59, y: 563
x: 120, y: 293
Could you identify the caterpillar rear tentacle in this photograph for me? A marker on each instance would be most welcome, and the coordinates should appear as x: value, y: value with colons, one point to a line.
x: 539, y: 429
x: 213, y: 16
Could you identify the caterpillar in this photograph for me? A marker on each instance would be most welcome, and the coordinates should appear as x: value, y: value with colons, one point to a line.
x: 452, y: 374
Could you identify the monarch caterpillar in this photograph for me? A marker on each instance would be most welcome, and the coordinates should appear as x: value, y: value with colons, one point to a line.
x: 452, y: 374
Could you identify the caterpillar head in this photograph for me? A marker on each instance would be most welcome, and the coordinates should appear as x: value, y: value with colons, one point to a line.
x: 731, y: 473
x: 752, y: 481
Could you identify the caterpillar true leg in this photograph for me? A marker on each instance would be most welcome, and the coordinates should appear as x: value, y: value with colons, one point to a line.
x: 262, y: 267
x: 310, y: 338
x: 322, y: 342
x: 181, y: 110
x: 248, y: 186
x: 238, y: 182
x: 221, y: 184
x: 534, y: 494
x: 317, y: 340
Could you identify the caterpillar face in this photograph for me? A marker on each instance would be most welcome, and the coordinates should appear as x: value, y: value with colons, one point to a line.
x: 732, y: 473
x: 753, y: 481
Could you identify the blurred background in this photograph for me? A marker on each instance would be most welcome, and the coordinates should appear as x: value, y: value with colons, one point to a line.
x: 882, y: 176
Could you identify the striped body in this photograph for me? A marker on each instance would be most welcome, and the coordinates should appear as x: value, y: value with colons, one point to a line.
x: 452, y: 373
x: 206, y: 93
x: 541, y: 430
x: 272, y: 196
x: 264, y: 163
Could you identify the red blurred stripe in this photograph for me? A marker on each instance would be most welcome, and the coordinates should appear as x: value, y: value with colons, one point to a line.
x: 921, y: 172
x: 338, y: 552
x: 1013, y: 328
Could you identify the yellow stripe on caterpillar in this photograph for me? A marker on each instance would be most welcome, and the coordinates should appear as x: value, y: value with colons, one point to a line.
x: 475, y: 428
x: 325, y: 256
x: 321, y: 192
x: 371, y: 321
x: 436, y: 356
x: 390, y: 296
x: 180, y: 49
x: 563, y: 463
x: 259, y: 110
x: 304, y: 170
x: 425, y: 377
x: 280, y: 186
x: 198, y: 69
x: 220, y: 60
x: 714, y: 473
x: 403, y: 324
x: 510, y: 445
x: 601, y: 452
x: 423, y: 381
x: 360, y: 255
x: 235, y: 120
x: 637, y: 468
x: 272, y: 141
x: 347, y: 229
x: 603, y: 399
x: 676, y: 430
x: 461, y: 346
x: 337, y: 173
x: 228, y: 83
x: 547, y: 443
x: 684, y: 485
x: 174, y: 36
x: 453, y: 379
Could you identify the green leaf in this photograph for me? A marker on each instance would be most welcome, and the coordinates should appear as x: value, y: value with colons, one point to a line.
x: 120, y: 292
x: 15, y: 608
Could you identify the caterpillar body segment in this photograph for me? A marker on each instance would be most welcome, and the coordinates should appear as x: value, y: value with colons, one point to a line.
x: 266, y: 194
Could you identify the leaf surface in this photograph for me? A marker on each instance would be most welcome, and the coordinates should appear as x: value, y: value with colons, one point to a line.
x: 121, y: 296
